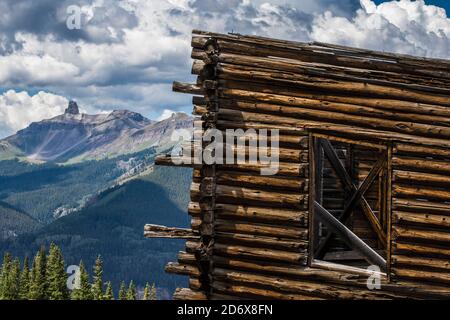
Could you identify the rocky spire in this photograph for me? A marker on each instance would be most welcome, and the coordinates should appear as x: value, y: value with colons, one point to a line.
x: 72, y: 108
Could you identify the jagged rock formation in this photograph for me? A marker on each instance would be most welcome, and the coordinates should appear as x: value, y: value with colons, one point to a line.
x: 72, y: 108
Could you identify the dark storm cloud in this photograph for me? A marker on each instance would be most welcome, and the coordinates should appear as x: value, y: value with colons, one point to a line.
x: 48, y: 17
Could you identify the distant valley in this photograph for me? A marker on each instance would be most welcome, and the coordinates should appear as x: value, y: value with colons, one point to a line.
x: 88, y: 183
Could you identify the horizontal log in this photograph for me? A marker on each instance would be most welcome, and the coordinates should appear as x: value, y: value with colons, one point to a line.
x: 300, y: 185
x: 410, y: 233
x: 195, y: 284
x: 424, y: 219
x: 280, y: 232
x: 259, y: 52
x: 193, y: 246
x: 287, y: 138
x: 258, y: 241
x: 282, y: 154
x: 423, y: 151
x: 227, y: 121
x: 329, y: 291
x: 187, y: 258
x: 291, y: 217
x: 305, y: 108
x: 155, y: 231
x: 420, y: 262
x: 420, y: 193
x: 324, y: 53
x: 335, y: 72
x: 442, y: 167
x: 279, y: 169
x: 422, y: 249
x: 397, y: 105
x: 227, y: 194
x: 249, y: 213
x: 188, y: 294
x: 259, y: 254
x: 420, y: 178
x: 231, y: 152
x: 288, y: 103
x: 409, y: 205
x: 188, y: 88
x: 353, y: 278
x: 318, y: 83
x: 180, y: 269
x: 246, y: 120
x: 439, y: 277
x: 241, y: 291
x: 356, y: 142
x: 293, y: 271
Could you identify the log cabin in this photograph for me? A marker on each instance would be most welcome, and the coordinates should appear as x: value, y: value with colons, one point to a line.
x: 360, y: 205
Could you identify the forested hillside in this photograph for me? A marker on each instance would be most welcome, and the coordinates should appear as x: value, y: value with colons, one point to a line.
x: 112, y: 226
x: 14, y: 222
x: 47, y: 191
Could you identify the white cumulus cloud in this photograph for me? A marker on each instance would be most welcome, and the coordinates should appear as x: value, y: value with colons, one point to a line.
x: 19, y: 109
x: 166, y: 114
x: 404, y: 26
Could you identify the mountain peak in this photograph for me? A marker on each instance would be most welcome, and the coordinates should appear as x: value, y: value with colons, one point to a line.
x: 72, y: 108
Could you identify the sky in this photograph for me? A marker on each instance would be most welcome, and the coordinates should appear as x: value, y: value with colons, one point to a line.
x: 125, y: 54
x: 440, y: 3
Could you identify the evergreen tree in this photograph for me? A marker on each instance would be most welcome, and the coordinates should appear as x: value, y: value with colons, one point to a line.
x: 84, y: 291
x: 5, y: 277
x: 97, y: 286
x: 123, y: 291
x: 109, y: 294
x: 147, y: 292
x: 14, y: 281
x: 153, y: 293
x: 56, y: 275
x: 131, y: 293
x: 25, y: 281
x: 38, y: 278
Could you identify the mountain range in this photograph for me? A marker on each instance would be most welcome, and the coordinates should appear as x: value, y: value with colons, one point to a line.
x: 88, y: 184
x: 74, y: 137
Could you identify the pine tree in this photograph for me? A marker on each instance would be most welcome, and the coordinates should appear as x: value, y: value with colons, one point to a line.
x: 131, y: 293
x: 109, y: 294
x: 97, y: 287
x: 5, y: 277
x: 153, y: 293
x: 84, y: 291
x: 14, y: 280
x: 147, y: 292
x: 123, y: 291
x: 38, y: 282
x: 56, y: 275
x: 38, y: 278
x: 25, y: 281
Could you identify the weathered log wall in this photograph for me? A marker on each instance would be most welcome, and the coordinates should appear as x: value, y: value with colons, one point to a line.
x: 421, y: 215
x: 250, y: 233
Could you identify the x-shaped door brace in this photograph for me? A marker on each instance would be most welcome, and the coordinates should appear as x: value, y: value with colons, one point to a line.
x: 337, y: 225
